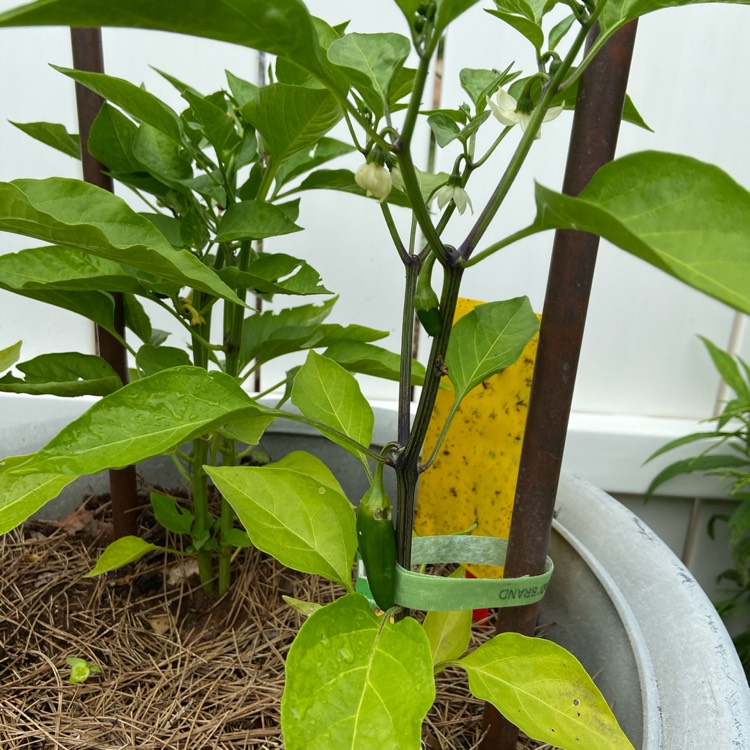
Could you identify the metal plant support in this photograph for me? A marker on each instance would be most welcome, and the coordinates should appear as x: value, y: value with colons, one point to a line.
x: 87, y: 55
x: 593, y: 140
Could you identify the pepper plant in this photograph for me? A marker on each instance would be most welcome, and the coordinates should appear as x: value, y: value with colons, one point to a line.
x: 355, y: 677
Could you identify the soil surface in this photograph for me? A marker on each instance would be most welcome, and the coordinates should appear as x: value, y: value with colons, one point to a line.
x: 180, y: 669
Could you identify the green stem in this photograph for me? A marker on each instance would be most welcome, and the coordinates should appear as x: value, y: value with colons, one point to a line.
x: 407, y: 463
x: 199, y: 484
x: 407, y: 338
x: 500, y: 244
x: 229, y: 458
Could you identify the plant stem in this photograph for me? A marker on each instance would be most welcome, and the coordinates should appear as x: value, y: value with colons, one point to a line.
x: 412, y: 266
x: 407, y: 463
x: 229, y: 458
x: 199, y: 485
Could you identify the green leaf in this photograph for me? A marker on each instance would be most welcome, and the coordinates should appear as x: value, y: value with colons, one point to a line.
x: 215, y: 122
x: 161, y: 157
x: 372, y: 61
x: 304, y: 161
x: 151, y: 359
x: 302, y: 522
x: 136, y: 318
x: 487, y: 340
x: 356, y: 681
x: 10, y: 355
x: 63, y: 374
x: 135, y: 100
x: 148, y: 417
x: 449, y: 633
x: 83, y: 216
x: 324, y: 391
x: 98, y: 307
x: 126, y: 549
x: 80, y: 670
x: 170, y: 514
x: 281, y: 27
x: 271, y: 334
x: 111, y: 140
x: 64, y: 268
x: 303, y: 607
x: 275, y: 273
x: 248, y: 428
x: 528, y: 28
x: 22, y: 496
x: 728, y: 368
x: 306, y: 463
x: 543, y: 690
x: 367, y: 359
x: 52, y: 134
x: 685, y: 217
x: 559, y: 30
x: 254, y: 220
x: 708, y: 463
x: 291, y: 118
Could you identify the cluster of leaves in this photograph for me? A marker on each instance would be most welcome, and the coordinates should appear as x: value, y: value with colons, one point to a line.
x: 726, y: 455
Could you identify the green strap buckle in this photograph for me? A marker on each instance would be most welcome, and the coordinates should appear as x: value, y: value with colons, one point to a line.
x: 441, y: 594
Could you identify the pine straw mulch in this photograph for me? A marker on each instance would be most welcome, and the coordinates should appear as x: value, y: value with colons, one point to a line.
x: 180, y: 669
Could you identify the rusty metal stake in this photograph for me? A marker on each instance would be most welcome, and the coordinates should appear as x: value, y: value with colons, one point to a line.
x: 593, y: 140
x: 87, y: 55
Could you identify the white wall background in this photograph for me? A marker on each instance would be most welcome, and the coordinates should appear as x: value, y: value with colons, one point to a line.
x: 644, y: 376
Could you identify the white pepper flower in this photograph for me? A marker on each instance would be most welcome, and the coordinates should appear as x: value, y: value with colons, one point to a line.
x: 508, y: 111
x: 451, y: 192
x: 375, y: 179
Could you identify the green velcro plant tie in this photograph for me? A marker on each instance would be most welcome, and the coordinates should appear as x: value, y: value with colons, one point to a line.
x: 439, y: 593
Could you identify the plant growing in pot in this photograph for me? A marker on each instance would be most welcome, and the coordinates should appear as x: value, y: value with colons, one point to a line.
x: 355, y: 678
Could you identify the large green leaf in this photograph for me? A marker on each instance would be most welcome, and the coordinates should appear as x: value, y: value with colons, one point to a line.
x: 282, y: 27
x: 291, y: 118
x: 683, y: 216
x: 76, y: 214
x: 487, y: 340
x: 324, y: 391
x: 63, y: 374
x: 53, y: 134
x: 145, y: 418
x: 543, y: 689
x: 135, y: 100
x: 22, y: 496
x: 254, y: 220
x: 162, y: 157
x: 303, y: 522
x: 64, y: 268
x: 152, y: 359
x: 355, y: 681
x: 372, y: 62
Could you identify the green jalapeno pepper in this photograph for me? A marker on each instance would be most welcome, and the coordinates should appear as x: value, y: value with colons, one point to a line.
x: 377, y: 541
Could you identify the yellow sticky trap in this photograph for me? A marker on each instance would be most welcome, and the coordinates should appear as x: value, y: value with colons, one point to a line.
x: 473, y: 478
